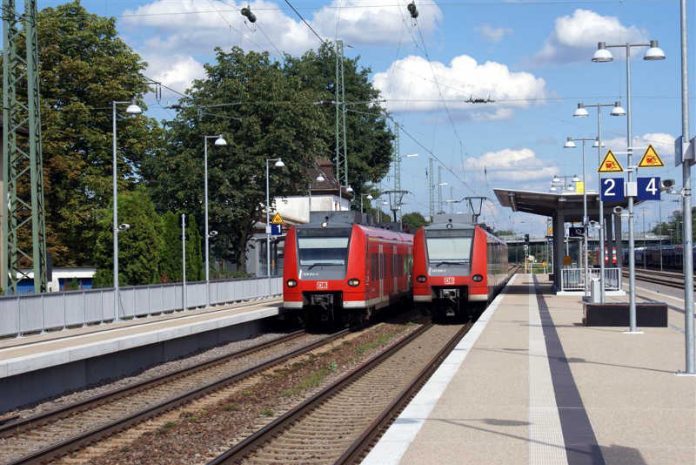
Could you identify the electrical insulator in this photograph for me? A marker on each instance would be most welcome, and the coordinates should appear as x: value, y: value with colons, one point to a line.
x: 246, y: 12
x: 412, y: 10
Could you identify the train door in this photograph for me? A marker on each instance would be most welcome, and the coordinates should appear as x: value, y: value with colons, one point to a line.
x: 395, y: 270
x: 382, y: 264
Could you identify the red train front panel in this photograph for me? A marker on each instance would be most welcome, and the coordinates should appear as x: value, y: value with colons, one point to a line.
x: 456, y: 265
x: 336, y: 271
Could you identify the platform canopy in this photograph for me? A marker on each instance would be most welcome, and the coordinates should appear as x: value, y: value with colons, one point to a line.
x: 549, y: 203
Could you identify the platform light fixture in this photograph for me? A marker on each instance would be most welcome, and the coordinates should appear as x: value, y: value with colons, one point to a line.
x: 133, y: 109
x: 653, y: 53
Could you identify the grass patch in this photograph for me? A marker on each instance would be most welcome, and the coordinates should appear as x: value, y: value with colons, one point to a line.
x: 267, y: 412
x: 371, y: 345
x: 167, y: 426
x: 312, y: 380
x: 231, y: 407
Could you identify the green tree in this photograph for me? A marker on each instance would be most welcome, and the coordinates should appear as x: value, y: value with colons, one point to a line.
x: 84, y: 67
x: 170, y: 256
x: 263, y: 114
x: 413, y: 221
x: 139, y: 246
x: 369, y: 141
x: 194, y: 251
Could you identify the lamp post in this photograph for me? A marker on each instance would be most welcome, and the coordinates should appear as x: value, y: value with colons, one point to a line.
x: 368, y: 196
x: 278, y: 164
x: 603, y: 55
x: 581, y: 112
x: 132, y: 109
x: 686, y: 175
x: 219, y: 142
x: 570, y: 144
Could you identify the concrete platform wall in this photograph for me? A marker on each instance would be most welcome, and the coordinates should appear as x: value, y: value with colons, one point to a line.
x: 37, y: 386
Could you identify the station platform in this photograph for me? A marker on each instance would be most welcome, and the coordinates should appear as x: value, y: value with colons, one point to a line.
x: 529, y: 384
x: 39, y: 366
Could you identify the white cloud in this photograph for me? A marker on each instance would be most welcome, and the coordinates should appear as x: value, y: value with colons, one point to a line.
x: 189, y: 30
x: 512, y: 165
x: 663, y: 143
x: 493, y: 34
x: 188, y: 26
x: 408, y: 85
x: 575, y: 37
x: 175, y: 71
x: 384, y: 22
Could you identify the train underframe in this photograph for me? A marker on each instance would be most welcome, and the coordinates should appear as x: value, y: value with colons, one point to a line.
x: 327, y: 311
x: 452, y: 303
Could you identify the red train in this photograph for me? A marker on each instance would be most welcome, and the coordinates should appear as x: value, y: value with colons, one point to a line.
x: 458, y: 266
x: 337, y: 271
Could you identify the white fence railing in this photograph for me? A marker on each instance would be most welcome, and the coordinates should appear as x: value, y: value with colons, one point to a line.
x: 573, y: 279
x: 57, y: 310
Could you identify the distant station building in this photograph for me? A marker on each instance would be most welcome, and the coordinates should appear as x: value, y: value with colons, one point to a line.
x: 324, y: 193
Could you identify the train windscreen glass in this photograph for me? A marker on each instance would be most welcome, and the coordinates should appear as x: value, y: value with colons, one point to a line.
x: 449, y: 249
x: 323, y: 253
x: 454, y: 249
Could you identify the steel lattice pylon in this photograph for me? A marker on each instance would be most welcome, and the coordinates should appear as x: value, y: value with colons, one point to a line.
x: 341, y: 157
x: 22, y: 160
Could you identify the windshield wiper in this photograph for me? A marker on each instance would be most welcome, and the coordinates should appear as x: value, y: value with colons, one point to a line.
x: 322, y: 264
x: 464, y: 262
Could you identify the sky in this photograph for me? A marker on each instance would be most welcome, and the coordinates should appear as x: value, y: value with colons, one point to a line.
x: 532, y: 59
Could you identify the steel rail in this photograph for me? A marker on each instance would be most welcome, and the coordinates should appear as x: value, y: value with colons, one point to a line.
x: 64, y: 447
x: 11, y: 428
x: 263, y: 435
x: 364, y: 443
x: 676, y: 280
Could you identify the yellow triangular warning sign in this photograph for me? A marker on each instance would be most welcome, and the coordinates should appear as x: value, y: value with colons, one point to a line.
x: 277, y: 219
x: 650, y: 159
x: 610, y: 164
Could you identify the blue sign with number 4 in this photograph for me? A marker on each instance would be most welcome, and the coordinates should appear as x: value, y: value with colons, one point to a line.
x: 649, y: 188
x: 612, y: 190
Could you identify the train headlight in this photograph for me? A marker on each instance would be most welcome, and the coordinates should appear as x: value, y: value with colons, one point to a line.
x: 421, y: 278
x: 477, y: 278
x: 291, y: 283
x: 354, y: 282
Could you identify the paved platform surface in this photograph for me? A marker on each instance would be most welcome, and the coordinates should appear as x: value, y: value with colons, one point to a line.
x: 35, y: 352
x: 530, y: 385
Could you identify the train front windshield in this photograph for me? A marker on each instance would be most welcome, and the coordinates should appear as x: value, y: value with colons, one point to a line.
x: 323, y: 253
x: 449, y: 248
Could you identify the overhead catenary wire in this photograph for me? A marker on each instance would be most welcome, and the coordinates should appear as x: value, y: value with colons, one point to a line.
x: 400, y: 5
x: 299, y: 15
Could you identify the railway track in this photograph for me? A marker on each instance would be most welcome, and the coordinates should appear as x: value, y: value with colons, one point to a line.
x: 341, y: 422
x: 665, y: 278
x: 52, y: 434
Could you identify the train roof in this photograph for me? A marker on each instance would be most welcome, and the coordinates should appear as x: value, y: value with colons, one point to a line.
x: 346, y: 219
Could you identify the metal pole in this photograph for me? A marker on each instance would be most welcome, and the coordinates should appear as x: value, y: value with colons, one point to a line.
x: 659, y: 214
x: 686, y: 173
x: 361, y: 204
x: 183, y: 260
x: 207, y: 236
x: 115, y: 225
x: 601, y: 207
x: 631, y: 232
x: 268, y: 222
x: 585, y: 222
x: 644, y: 242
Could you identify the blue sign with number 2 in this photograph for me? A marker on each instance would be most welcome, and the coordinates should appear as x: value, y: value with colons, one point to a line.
x: 612, y: 190
x: 649, y: 188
